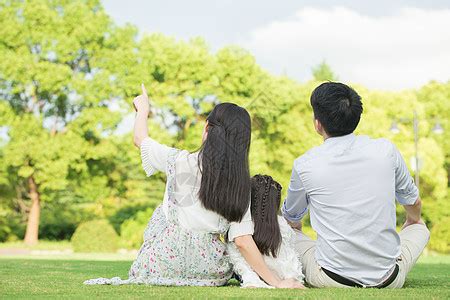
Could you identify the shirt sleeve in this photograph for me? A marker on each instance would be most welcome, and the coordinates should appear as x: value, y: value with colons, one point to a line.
x: 245, y: 227
x: 295, y: 205
x: 154, y: 156
x: 406, y: 191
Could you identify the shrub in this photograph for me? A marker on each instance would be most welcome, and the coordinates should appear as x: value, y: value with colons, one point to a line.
x: 132, y: 230
x: 11, y: 226
x: 59, y: 220
x: 126, y: 213
x: 440, y: 236
x: 95, y: 236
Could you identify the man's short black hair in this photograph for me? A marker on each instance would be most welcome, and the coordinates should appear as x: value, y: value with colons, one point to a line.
x: 337, y: 107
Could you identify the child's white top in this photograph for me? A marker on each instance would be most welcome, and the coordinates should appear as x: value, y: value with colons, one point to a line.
x: 191, y: 214
x: 286, y: 265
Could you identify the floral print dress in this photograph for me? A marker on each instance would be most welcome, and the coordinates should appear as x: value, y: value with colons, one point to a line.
x: 174, y: 255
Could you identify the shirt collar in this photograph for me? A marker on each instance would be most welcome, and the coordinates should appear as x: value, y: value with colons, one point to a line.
x: 339, y: 139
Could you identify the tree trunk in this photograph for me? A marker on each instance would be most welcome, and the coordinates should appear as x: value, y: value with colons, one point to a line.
x: 31, y: 235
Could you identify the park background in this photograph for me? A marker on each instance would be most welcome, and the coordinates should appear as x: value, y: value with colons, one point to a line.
x: 69, y: 72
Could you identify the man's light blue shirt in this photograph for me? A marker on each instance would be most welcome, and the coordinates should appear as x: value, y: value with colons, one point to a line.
x: 350, y: 184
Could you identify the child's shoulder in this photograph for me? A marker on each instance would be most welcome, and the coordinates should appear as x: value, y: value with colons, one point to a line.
x: 285, y: 228
x: 282, y: 221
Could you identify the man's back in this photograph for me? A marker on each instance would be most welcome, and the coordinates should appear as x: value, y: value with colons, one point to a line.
x: 350, y: 183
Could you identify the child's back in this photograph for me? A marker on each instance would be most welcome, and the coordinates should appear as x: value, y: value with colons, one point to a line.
x: 273, y: 236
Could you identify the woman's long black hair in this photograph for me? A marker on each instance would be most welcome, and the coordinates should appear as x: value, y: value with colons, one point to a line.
x: 223, y: 161
x: 265, y: 203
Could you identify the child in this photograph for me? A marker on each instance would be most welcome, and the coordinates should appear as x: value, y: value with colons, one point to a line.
x: 207, y: 195
x: 273, y: 236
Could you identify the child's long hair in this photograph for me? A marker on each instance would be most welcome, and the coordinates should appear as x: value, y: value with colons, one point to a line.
x: 223, y: 161
x: 265, y: 203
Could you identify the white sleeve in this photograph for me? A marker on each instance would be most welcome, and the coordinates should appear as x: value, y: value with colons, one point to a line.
x: 154, y: 156
x: 245, y: 227
x: 295, y: 205
x: 406, y: 192
x: 241, y: 267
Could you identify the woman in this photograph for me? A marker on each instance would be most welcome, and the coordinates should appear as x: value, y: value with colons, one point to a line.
x: 182, y: 244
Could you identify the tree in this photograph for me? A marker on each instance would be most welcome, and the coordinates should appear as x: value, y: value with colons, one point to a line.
x: 323, y: 72
x: 435, y: 97
x: 56, y: 79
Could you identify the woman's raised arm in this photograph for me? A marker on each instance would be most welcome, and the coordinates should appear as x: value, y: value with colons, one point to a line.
x: 142, y: 107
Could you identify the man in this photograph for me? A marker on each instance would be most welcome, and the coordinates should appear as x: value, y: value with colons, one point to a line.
x: 350, y: 183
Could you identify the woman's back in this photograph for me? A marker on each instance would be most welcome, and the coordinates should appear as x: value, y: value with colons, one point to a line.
x: 187, y: 178
x: 182, y: 243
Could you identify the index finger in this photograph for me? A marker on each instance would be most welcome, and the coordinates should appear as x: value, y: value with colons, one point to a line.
x: 144, y: 90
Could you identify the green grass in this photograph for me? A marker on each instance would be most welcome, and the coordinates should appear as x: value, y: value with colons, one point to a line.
x: 42, y: 245
x: 31, y: 278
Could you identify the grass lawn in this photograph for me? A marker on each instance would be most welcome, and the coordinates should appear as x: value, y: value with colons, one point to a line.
x: 42, y: 245
x: 62, y: 278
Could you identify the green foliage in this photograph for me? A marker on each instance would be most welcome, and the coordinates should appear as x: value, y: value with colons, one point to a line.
x: 60, y: 60
x: 132, y: 230
x: 59, y: 221
x: 323, y: 72
x: 95, y: 236
x: 11, y: 227
x: 440, y: 236
x: 126, y: 213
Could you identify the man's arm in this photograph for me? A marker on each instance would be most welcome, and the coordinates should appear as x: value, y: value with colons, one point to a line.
x: 413, y: 213
x: 406, y: 192
x: 295, y: 205
x: 251, y: 254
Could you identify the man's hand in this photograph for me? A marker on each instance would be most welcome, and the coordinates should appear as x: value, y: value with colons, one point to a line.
x: 411, y: 222
x: 290, y: 284
x: 295, y: 225
x: 413, y: 213
x: 141, y: 103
